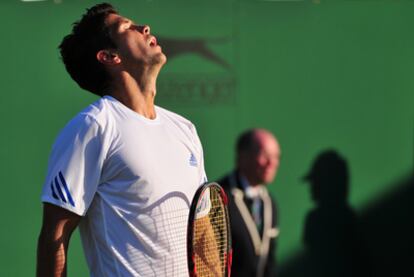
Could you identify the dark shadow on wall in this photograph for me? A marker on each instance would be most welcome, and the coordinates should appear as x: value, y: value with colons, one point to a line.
x: 332, y: 238
x: 389, y: 228
x: 379, y: 241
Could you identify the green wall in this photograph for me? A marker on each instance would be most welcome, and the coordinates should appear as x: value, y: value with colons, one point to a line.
x: 319, y: 74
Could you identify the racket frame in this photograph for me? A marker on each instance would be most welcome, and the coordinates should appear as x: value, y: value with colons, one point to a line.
x: 190, y: 229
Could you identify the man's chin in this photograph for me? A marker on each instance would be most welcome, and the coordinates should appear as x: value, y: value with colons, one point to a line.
x: 157, y: 61
x: 268, y: 179
x: 160, y: 59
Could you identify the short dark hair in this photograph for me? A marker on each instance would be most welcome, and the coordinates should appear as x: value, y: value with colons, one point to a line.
x: 78, y: 49
x: 246, y: 141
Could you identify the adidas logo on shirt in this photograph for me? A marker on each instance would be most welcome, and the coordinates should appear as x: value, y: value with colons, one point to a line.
x: 60, y: 190
x: 193, y: 160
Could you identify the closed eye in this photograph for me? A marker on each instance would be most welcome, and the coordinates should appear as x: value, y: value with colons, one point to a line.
x: 128, y: 25
x: 133, y: 27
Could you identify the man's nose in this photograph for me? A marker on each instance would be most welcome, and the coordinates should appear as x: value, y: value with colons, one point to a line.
x: 273, y: 162
x: 144, y: 29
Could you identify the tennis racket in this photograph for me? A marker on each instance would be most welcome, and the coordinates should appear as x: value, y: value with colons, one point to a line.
x: 209, y: 250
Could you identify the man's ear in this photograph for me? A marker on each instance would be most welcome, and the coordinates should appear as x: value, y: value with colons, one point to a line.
x: 108, y: 57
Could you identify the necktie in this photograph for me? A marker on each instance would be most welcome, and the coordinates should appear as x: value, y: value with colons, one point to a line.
x: 256, y: 212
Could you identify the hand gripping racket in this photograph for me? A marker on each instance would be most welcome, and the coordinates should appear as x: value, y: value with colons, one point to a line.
x: 209, y: 250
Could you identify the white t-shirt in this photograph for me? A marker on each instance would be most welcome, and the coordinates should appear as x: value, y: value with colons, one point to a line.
x: 133, y: 180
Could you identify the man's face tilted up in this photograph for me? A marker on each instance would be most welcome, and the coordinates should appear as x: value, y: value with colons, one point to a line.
x: 135, y: 44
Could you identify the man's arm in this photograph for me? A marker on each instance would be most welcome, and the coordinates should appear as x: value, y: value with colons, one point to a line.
x: 57, y: 227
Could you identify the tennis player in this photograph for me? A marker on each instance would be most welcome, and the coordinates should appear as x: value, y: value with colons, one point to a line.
x: 124, y: 170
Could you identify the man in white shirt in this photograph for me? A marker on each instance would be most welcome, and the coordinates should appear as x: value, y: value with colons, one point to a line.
x: 124, y: 170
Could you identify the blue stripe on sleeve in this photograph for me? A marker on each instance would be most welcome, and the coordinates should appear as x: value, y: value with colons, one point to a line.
x: 59, y: 190
x: 53, y: 191
x: 65, y: 186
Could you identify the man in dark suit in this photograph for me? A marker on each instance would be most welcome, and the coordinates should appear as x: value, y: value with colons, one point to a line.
x: 252, y: 210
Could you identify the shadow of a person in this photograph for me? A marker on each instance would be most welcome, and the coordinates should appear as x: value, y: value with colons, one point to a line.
x: 332, y: 241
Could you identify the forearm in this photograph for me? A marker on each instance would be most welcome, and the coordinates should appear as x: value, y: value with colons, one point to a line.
x: 51, y: 257
x: 58, y: 225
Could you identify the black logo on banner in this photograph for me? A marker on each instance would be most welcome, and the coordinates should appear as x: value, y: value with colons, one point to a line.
x: 198, y: 86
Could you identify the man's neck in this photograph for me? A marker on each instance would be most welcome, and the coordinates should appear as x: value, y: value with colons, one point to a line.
x: 137, y: 93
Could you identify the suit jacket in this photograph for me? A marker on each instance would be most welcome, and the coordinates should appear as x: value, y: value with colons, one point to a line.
x: 253, y: 249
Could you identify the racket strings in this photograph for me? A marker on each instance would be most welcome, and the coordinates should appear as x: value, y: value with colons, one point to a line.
x: 211, y: 239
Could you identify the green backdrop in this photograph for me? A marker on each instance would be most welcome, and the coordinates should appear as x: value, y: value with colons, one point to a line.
x: 319, y: 74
